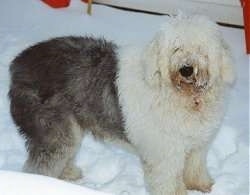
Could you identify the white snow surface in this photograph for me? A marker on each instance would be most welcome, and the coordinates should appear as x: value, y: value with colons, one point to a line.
x: 107, y: 168
x: 28, y: 184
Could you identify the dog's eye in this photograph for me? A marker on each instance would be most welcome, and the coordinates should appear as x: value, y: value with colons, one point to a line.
x: 186, y: 71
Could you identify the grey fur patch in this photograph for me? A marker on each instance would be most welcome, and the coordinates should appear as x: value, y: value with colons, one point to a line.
x: 59, y: 80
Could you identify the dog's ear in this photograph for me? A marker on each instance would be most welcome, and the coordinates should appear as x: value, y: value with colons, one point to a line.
x: 150, y: 59
x: 227, y: 70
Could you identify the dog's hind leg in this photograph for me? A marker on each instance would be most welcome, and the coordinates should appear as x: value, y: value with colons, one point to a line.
x: 51, y: 131
x: 55, y: 143
x: 71, y: 171
x: 53, y: 155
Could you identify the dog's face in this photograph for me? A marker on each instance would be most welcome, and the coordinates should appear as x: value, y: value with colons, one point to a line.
x: 189, y: 55
x: 188, y: 72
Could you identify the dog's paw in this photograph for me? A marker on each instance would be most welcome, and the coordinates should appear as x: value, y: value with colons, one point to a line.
x: 203, y: 185
x: 71, y: 173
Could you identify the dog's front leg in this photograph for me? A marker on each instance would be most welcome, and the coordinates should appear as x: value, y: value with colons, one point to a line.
x: 165, y: 175
x: 196, y: 176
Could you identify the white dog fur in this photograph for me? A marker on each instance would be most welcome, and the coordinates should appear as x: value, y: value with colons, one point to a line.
x: 170, y: 124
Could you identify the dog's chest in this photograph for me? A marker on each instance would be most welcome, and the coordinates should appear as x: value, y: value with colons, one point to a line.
x: 159, y: 125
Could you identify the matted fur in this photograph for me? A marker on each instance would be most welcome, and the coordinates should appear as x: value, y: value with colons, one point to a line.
x: 64, y: 86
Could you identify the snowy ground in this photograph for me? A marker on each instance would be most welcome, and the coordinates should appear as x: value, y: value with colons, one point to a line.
x: 107, y: 168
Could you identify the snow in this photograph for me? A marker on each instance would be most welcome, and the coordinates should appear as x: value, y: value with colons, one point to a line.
x: 23, y: 184
x: 107, y: 168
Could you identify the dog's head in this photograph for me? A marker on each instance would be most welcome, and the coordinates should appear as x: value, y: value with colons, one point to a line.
x: 188, y: 54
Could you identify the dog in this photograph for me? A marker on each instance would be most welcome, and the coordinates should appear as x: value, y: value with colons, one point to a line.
x: 166, y: 100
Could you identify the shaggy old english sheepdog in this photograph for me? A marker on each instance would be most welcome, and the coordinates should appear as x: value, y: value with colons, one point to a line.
x: 165, y: 100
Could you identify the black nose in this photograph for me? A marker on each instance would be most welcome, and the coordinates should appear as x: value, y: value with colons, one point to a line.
x: 186, y: 71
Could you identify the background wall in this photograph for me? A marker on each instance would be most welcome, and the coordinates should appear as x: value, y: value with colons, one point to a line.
x: 226, y: 11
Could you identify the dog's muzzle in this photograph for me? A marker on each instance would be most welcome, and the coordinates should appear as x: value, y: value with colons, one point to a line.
x: 190, y: 80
